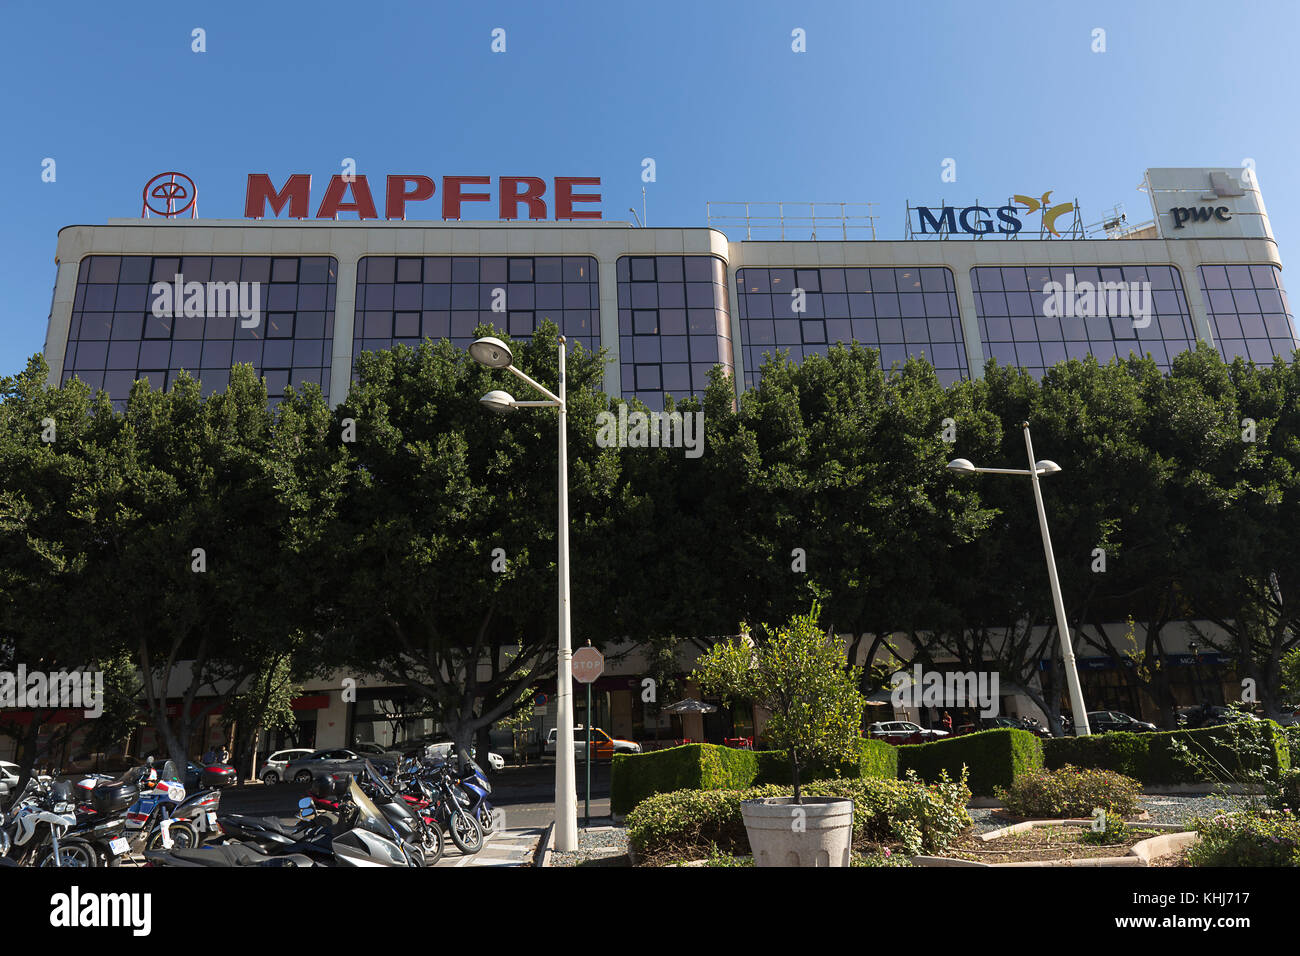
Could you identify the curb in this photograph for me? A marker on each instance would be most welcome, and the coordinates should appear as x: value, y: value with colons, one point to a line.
x: 1140, y: 854
x: 1073, y: 822
x: 1159, y: 846
x: 542, y: 856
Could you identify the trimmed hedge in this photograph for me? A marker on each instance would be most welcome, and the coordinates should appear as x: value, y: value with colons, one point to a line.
x: 996, y: 758
x: 1121, y: 752
x: 1151, y: 757
x: 634, y: 777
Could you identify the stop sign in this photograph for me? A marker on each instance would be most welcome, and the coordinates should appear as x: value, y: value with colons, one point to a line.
x: 588, y: 664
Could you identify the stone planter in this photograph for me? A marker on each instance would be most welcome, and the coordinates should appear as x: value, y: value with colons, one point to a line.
x: 817, y: 832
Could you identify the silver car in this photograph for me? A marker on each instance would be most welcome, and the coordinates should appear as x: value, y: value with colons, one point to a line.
x: 273, y: 769
x: 330, y: 760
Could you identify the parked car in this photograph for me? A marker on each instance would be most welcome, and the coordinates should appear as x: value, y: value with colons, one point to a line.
x: 991, y: 723
x: 1211, y: 715
x: 900, y: 732
x: 206, y: 776
x: 1108, y: 721
x: 337, y: 760
x: 372, y: 750
x: 441, y: 746
x: 603, y: 746
x: 8, y: 779
x: 273, y: 769
x: 1288, y: 715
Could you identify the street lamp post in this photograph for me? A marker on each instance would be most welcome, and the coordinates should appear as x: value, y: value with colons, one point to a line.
x: 1037, y: 468
x: 494, y: 353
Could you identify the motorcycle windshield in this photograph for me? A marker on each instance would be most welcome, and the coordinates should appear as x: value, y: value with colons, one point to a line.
x: 380, y: 784
x: 169, y: 773
x: 368, y: 815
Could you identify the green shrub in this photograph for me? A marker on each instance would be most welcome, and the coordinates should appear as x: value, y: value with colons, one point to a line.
x: 693, y: 823
x: 996, y: 758
x: 1288, y: 791
x: 1155, y: 758
x: 1248, y: 839
x: 1115, y: 831
x: 1071, y: 792
x: 634, y: 777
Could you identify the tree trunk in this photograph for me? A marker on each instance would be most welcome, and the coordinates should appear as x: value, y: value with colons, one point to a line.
x: 794, y: 775
x: 462, y: 735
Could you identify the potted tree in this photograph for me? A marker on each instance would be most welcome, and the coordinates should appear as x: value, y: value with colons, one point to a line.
x: 798, y: 674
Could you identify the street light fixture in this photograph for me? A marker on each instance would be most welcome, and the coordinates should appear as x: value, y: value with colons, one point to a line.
x: 963, y: 466
x: 494, y: 353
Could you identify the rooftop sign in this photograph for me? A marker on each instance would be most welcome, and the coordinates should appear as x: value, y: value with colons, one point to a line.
x: 351, y: 193
x: 977, y: 221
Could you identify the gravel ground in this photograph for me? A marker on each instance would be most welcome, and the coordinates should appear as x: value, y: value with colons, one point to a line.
x: 1167, y: 808
x: 596, y: 847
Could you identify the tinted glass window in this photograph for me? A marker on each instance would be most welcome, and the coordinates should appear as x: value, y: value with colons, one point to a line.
x: 1036, y: 316
x: 406, y: 300
x: 255, y: 309
x: 900, y: 312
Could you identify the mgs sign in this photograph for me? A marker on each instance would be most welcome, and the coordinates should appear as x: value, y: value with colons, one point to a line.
x: 351, y: 193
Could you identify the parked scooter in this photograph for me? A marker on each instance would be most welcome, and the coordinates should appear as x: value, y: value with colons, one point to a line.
x: 361, y: 837
x: 411, y: 824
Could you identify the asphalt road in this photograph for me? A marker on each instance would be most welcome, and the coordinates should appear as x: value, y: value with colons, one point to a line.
x: 526, y: 794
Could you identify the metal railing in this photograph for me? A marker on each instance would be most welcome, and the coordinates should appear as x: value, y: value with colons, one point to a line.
x: 794, y: 220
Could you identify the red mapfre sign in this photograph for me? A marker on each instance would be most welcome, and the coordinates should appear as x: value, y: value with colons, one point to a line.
x: 352, y: 194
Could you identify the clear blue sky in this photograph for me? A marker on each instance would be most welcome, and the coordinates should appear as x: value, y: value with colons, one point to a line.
x: 711, y: 90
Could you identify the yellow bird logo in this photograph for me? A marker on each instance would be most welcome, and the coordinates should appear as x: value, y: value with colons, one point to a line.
x: 1050, y: 213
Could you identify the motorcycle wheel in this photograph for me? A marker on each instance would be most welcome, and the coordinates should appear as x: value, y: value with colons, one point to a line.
x: 465, y: 832
x: 185, y: 836
x: 489, y: 820
x: 72, y: 852
x: 431, y: 844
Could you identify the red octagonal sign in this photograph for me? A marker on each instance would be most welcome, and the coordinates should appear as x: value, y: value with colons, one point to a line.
x: 588, y: 664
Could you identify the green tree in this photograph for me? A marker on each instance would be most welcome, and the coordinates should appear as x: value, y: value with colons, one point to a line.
x: 212, y: 521
x: 55, y: 459
x: 436, y: 484
x: 797, y: 673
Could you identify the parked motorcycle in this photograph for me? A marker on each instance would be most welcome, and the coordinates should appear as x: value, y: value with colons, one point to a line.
x: 361, y: 836
x: 152, y: 822
x: 37, y: 826
x: 474, y: 782
x: 405, y: 816
x: 430, y: 781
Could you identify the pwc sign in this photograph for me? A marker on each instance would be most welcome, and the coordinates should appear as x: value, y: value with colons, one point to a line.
x: 512, y: 192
